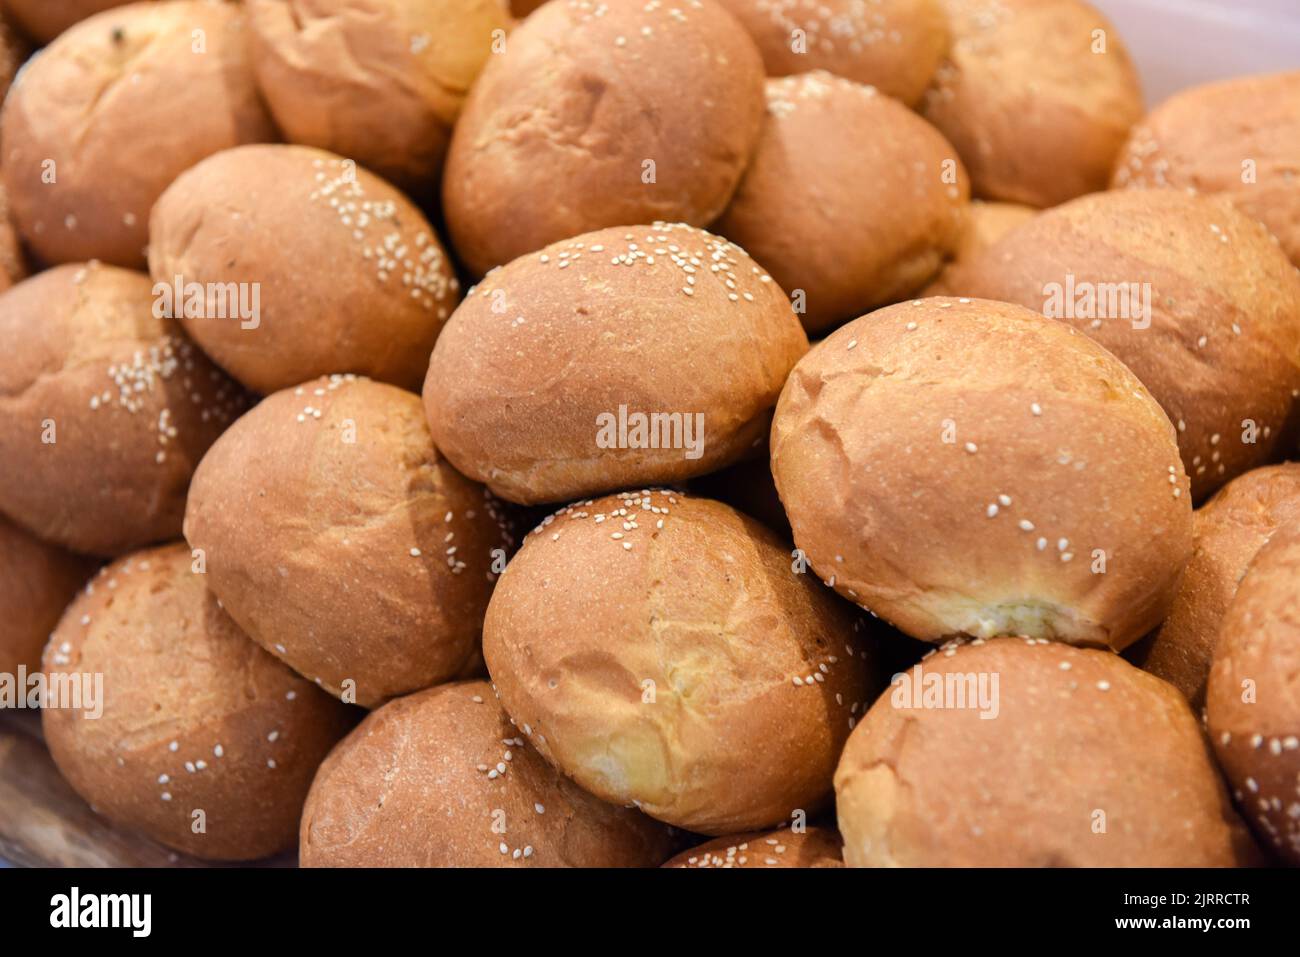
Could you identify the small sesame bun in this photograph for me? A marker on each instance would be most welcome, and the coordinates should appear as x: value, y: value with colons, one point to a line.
x: 1251, y: 703
x: 893, y: 45
x: 43, y: 20
x: 812, y: 847
x: 13, y: 263
x: 962, y: 466
x: 1212, y: 327
x: 1228, y: 530
x: 541, y: 377
x: 205, y: 742
x: 986, y: 223
x: 1238, y: 138
x: 615, y: 112
x: 105, y: 410
x: 1028, y: 753
x: 852, y: 201
x: 442, y: 778
x: 378, y: 81
x: 343, y: 543
x: 262, y: 219
x: 36, y: 583
x: 1036, y: 95
x: 81, y: 126
x: 709, y: 683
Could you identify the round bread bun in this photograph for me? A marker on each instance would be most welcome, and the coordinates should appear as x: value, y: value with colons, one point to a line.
x: 1228, y: 530
x: 379, y: 81
x: 893, y: 45
x: 80, y: 128
x: 1251, y: 702
x: 343, y: 543
x: 442, y: 778
x: 1089, y: 762
x: 615, y: 112
x: 105, y: 410
x: 1238, y: 138
x: 13, y: 264
x: 1191, y: 295
x: 545, y: 379
x: 43, y: 20
x: 852, y: 201
x: 1034, y: 105
x: 36, y: 583
x: 350, y: 276
x: 205, y: 742
x: 961, y: 466
x: 986, y: 223
x: 812, y: 847
x: 709, y: 684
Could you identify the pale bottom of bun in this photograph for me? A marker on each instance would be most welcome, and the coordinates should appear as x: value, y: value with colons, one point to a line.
x: 939, y: 615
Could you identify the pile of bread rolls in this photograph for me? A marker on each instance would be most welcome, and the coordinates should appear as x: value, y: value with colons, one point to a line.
x: 901, y: 415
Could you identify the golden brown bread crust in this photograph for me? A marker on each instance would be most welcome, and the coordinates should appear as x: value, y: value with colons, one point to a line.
x: 866, y: 217
x: 350, y: 275
x: 442, y: 778
x: 812, y: 847
x: 1253, y: 697
x: 1035, y: 113
x: 1089, y: 762
x: 709, y: 683
x: 1202, y: 139
x: 585, y: 96
x: 36, y: 583
x: 893, y: 45
x: 43, y: 20
x: 94, y: 103
x: 1223, y: 345
x: 343, y: 543
x: 957, y: 466
x: 986, y: 222
x: 1228, y: 531
x: 195, y: 716
x: 657, y: 319
x: 130, y: 404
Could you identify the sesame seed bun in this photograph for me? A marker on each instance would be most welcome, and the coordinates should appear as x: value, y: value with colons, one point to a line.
x: 1202, y: 140
x: 1037, y: 116
x: 848, y: 199
x: 1223, y: 345
x: 1085, y: 762
x: 94, y: 103
x: 586, y: 97
x: 260, y: 216
x: 1251, y: 702
x: 196, y: 718
x: 986, y: 223
x: 105, y: 410
x: 442, y: 778
x: 709, y: 684
x: 43, y: 20
x: 812, y: 847
x: 967, y: 467
x: 1228, y: 530
x: 535, y: 375
x: 379, y: 81
x: 343, y: 543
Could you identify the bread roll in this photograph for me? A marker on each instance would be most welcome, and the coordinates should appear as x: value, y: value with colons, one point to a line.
x: 962, y: 466
x: 343, y: 543
x: 709, y: 684
x: 105, y: 410
x: 1191, y: 295
x: 546, y: 379
x: 36, y: 583
x: 442, y: 778
x: 43, y: 20
x: 1228, y: 531
x: 986, y: 223
x: 1036, y: 95
x: 13, y: 264
x: 1088, y: 763
x: 378, y: 81
x: 1238, y: 138
x: 851, y: 201
x: 81, y: 127
x: 893, y: 45
x: 205, y: 742
x: 348, y: 274
x: 813, y: 847
x: 614, y: 112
